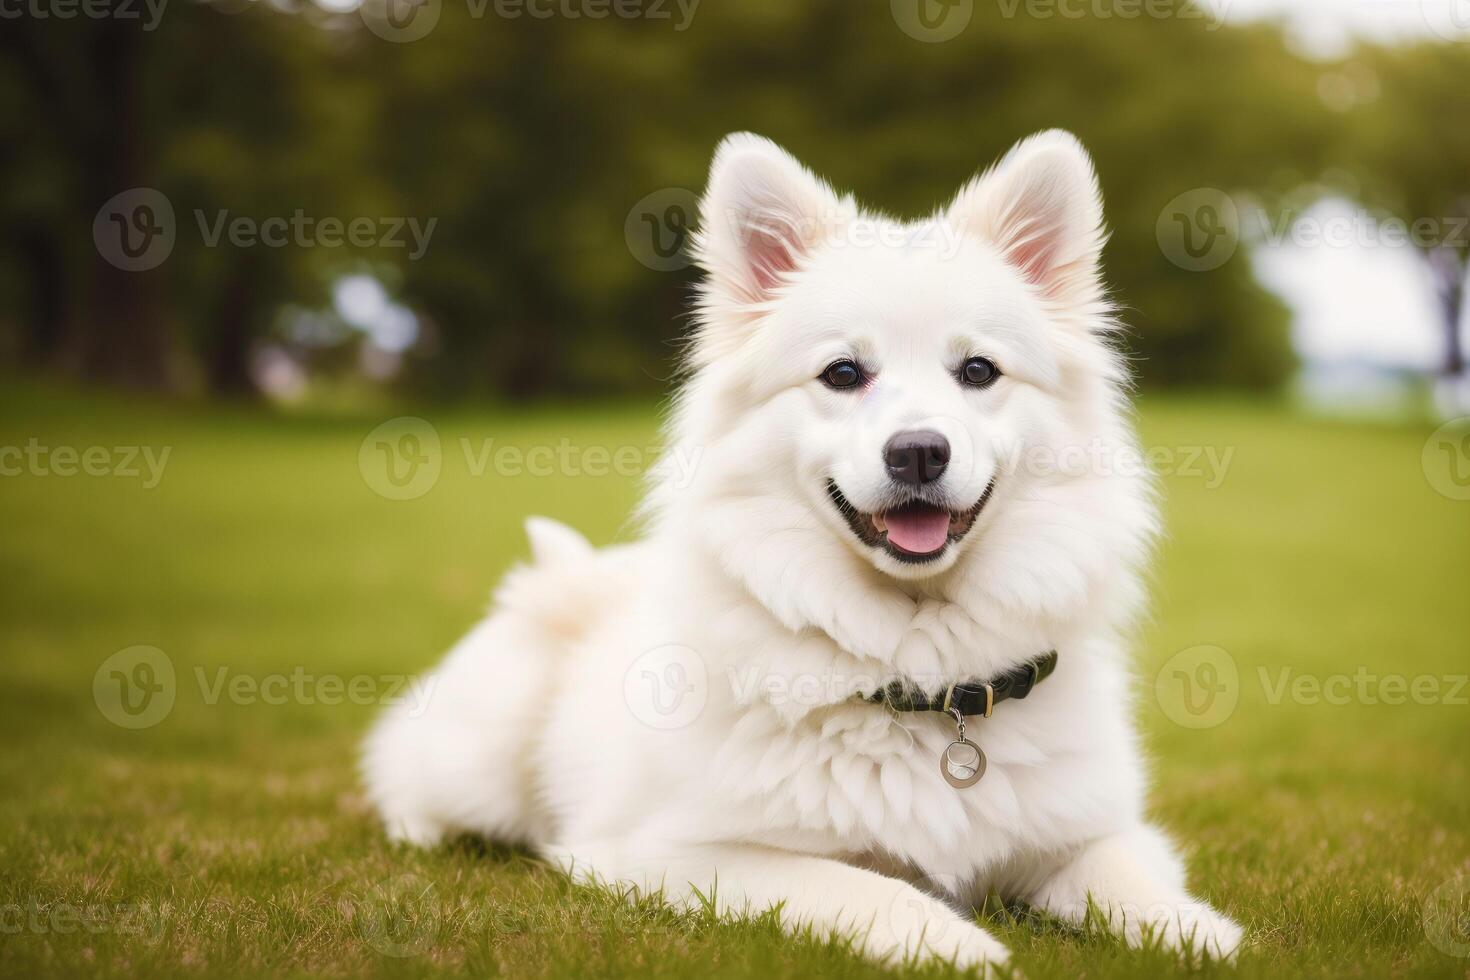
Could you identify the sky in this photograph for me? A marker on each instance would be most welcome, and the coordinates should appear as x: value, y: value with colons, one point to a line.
x: 1364, y: 297
x: 1325, y: 28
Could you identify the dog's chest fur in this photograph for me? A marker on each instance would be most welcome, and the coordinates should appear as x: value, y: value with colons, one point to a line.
x: 800, y: 764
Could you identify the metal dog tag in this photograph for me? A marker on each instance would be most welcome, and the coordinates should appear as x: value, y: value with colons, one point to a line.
x: 962, y: 763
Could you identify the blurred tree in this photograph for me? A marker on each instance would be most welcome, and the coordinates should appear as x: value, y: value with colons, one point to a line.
x: 221, y: 113
x: 533, y: 138
x: 81, y: 136
x: 529, y: 140
x: 280, y: 133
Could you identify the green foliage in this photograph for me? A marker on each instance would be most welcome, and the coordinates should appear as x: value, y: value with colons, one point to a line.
x: 531, y: 139
x: 607, y: 113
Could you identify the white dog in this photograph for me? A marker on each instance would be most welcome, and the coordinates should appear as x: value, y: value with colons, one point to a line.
x: 906, y: 495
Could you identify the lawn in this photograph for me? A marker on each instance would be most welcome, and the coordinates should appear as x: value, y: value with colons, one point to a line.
x: 227, y: 836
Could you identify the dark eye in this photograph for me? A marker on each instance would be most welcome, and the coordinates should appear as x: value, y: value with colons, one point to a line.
x: 979, y: 371
x: 842, y: 374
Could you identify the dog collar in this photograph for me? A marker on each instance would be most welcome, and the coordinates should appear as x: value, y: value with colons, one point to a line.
x: 970, y: 697
x: 962, y: 763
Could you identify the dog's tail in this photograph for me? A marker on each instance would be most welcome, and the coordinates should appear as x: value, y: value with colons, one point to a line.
x: 562, y: 589
x: 552, y: 542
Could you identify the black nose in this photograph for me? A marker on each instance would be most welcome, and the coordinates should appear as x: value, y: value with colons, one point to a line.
x: 917, y: 457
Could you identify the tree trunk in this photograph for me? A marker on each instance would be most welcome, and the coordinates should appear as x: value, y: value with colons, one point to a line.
x: 1449, y: 271
x: 123, y: 335
x: 45, y: 310
x: 232, y: 329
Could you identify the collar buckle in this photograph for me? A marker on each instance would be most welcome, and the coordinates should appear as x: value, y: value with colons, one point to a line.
x: 949, y: 698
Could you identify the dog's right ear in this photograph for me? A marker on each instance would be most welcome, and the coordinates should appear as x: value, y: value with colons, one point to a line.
x: 762, y: 214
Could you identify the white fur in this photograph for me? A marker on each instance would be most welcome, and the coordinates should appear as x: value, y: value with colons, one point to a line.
x: 777, y: 787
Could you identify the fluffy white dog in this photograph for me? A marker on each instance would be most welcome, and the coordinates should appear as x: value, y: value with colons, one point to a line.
x: 908, y: 492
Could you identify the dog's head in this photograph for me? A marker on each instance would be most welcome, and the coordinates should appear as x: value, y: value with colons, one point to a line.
x: 876, y: 383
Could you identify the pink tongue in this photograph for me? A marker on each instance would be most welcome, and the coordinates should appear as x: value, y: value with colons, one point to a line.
x: 918, y: 530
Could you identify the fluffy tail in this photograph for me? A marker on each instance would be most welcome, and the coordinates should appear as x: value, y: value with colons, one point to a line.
x: 552, y: 542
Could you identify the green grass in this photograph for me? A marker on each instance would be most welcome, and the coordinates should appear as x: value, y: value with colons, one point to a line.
x: 230, y: 839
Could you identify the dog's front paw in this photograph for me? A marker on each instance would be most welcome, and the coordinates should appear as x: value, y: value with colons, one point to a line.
x: 973, y: 948
x: 964, y: 945
x: 922, y: 929
x: 1210, y: 932
x: 1192, y: 927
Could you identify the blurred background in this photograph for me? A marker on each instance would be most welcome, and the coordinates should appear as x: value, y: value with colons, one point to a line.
x: 485, y: 199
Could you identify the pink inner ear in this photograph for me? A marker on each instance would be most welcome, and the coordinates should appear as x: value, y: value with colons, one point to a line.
x: 767, y: 251
x: 1035, y: 259
x: 1034, y: 250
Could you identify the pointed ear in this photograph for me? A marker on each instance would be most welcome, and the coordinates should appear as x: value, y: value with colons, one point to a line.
x: 762, y: 214
x: 1041, y: 207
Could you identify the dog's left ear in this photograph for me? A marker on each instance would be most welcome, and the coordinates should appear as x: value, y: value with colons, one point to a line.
x: 1040, y: 205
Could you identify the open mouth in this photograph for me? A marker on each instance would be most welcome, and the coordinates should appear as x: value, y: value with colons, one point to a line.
x: 913, y: 531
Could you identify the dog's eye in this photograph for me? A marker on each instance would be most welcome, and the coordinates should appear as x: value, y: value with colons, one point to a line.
x: 979, y: 371
x: 842, y: 374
